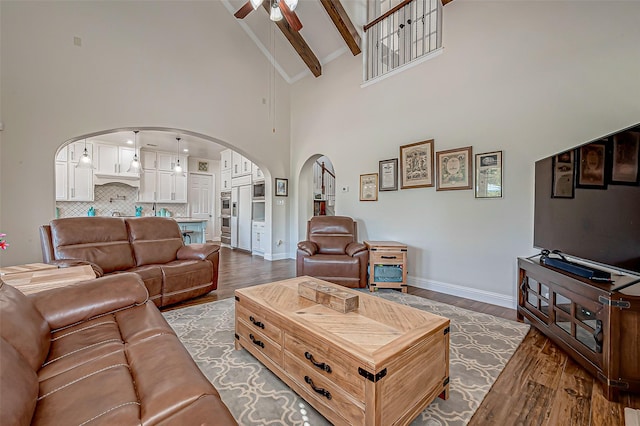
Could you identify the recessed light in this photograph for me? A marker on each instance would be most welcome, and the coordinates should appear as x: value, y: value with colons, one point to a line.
x: 185, y: 150
x: 129, y: 142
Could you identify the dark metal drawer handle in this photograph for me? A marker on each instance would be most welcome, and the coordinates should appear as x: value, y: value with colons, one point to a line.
x: 321, y: 365
x: 256, y: 342
x: 321, y: 391
x: 388, y: 257
x: 256, y: 323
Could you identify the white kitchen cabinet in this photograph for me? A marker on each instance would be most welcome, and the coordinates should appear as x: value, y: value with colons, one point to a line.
x: 256, y: 173
x: 62, y: 183
x: 167, y: 161
x: 225, y: 160
x: 80, y: 183
x: 148, y: 159
x: 114, y: 160
x: 148, y: 185
x: 240, y: 165
x: 170, y: 188
x: 225, y: 180
x: 257, y: 240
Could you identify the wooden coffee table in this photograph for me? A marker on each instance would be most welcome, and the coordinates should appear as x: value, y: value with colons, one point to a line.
x: 381, y: 364
x: 44, y: 279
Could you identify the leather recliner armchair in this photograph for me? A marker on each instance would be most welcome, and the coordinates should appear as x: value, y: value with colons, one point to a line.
x: 332, y: 252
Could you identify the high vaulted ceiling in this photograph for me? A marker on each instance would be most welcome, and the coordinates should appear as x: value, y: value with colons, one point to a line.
x: 319, y: 32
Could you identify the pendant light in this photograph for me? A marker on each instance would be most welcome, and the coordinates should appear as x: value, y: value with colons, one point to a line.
x: 256, y: 3
x: 177, y: 169
x: 276, y: 13
x: 84, y: 162
x: 292, y: 4
x: 135, y: 166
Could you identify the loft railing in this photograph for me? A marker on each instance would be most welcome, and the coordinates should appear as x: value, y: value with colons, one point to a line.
x: 324, y: 190
x: 404, y: 34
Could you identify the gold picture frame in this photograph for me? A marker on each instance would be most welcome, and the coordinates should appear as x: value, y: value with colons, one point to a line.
x: 369, y: 187
x: 454, y: 169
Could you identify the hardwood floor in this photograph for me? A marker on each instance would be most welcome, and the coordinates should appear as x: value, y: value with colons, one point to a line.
x: 540, y: 385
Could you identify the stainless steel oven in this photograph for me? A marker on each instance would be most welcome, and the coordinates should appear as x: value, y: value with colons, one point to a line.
x: 225, y: 203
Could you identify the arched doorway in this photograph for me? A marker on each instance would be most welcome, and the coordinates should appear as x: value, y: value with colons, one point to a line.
x: 317, y: 190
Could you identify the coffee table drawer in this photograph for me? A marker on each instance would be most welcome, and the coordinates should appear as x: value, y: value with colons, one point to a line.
x: 259, y: 323
x: 318, y: 387
x: 340, y: 371
x: 254, y: 341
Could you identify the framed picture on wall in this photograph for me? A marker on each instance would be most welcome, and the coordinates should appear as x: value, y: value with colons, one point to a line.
x: 625, y: 159
x: 454, y: 169
x: 591, y: 166
x: 282, y: 187
x: 388, y: 174
x: 416, y: 165
x: 369, y: 187
x: 563, y: 175
x: 489, y: 175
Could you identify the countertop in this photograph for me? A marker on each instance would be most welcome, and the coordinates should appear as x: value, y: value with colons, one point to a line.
x: 188, y: 219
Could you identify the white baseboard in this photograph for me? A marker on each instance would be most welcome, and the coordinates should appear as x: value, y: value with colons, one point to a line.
x: 278, y: 256
x: 466, y: 292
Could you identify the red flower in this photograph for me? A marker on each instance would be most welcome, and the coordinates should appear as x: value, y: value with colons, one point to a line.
x: 3, y: 242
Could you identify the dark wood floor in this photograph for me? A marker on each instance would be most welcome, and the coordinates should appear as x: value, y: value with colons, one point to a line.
x: 540, y: 385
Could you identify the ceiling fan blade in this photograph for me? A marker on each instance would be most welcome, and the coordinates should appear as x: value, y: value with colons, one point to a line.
x: 290, y: 16
x: 244, y: 10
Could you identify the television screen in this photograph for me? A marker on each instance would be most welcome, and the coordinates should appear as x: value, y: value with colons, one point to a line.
x: 587, y: 201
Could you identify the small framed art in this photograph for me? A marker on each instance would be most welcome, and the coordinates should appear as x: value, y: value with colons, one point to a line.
x: 388, y: 175
x: 453, y: 168
x: 591, y: 166
x: 563, y: 175
x: 625, y: 159
x: 416, y: 165
x: 282, y: 187
x: 489, y: 175
x: 369, y: 187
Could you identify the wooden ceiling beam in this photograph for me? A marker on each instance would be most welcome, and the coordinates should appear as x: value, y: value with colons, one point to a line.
x: 343, y: 23
x: 298, y: 43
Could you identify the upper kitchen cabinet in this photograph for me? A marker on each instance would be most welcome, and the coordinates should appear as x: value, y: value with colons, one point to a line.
x: 167, y: 162
x: 158, y: 181
x: 256, y: 173
x: 225, y: 160
x: 240, y: 165
x: 73, y: 183
x: 114, y: 160
x: 171, y: 188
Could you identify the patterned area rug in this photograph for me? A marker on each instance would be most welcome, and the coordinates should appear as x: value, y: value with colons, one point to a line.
x: 480, y: 346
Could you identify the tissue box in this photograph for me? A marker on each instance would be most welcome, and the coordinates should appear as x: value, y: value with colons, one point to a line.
x: 331, y: 297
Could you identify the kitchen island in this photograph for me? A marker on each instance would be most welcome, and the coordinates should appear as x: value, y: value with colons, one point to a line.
x: 193, y: 229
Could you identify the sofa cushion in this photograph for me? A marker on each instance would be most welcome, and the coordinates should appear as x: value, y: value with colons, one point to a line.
x: 332, y: 234
x: 101, y: 240
x: 151, y: 275
x: 18, y: 387
x: 185, y: 279
x: 154, y: 239
x: 23, y: 326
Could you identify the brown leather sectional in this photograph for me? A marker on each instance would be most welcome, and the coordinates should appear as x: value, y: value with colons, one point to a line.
x: 152, y: 247
x: 98, y: 352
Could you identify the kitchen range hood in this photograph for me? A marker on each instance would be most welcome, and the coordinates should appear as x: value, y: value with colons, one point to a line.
x: 104, y: 178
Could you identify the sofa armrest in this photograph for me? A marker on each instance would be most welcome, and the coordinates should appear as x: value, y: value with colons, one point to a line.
x: 197, y: 251
x: 354, y: 248
x: 81, y: 301
x: 309, y: 247
x: 68, y: 263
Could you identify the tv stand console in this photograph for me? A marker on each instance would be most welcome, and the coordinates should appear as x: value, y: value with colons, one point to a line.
x: 597, y: 324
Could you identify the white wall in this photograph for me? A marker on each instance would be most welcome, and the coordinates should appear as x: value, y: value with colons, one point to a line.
x: 177, y: 64
x: 528, y: 78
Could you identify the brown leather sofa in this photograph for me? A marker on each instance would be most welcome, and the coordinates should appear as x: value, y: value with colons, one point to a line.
x: 98, y: 352
x: 152, y: 247
x: 332, y: 252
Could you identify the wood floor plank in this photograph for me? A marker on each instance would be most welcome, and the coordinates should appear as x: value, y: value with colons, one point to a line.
x: 540, y: 385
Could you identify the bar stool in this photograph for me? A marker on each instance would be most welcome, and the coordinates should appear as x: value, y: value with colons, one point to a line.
x: 186, y: 233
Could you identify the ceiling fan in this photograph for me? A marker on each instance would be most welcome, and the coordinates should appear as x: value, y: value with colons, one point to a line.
x: 279, y: 9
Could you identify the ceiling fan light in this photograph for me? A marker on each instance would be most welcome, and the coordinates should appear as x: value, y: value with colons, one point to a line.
x: 292, y: 4
x: 276, y: 13
x: 256, y: 3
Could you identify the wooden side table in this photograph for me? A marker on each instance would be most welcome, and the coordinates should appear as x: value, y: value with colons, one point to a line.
x: 28, y: 267
x: 387, y: 265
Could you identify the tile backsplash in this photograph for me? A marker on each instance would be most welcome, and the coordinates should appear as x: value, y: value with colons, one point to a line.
x: 116, y: 197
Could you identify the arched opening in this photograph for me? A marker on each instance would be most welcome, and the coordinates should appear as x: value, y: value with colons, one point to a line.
x: 111, y: 188
x: 316, y: 190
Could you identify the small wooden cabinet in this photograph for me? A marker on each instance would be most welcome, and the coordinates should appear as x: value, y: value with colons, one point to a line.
x: 387, y: 265
x: 595, y: 323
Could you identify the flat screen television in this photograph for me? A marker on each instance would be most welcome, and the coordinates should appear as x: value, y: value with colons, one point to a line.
x: 587, y: 201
